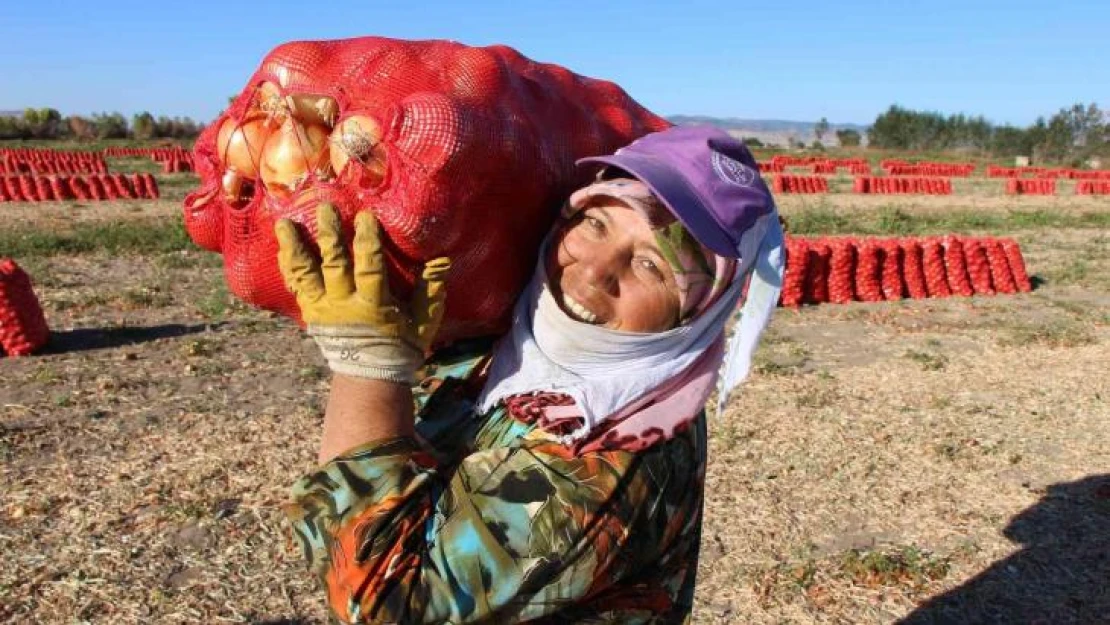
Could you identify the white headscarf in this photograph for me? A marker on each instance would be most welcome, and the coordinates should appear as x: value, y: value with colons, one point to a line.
x: 606, y: 371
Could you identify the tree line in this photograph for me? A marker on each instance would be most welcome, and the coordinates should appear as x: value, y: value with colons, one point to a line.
x: 1071, y: 136
x: 48, y: 123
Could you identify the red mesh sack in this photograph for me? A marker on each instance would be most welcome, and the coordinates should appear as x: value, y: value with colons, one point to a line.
x: 80, y: 187
x: 1001, y: 277
x: 1017, y: 265
x: 956, y: 267
x: 22, y: 325
x: 151, y: 186
x: 793, y: 279
x: 913, y: 270
x: 817, y: 274
x: 96, y: 188
x: 841, y: 267
x: 15, y: 192
x: 892, y: 270
x: 42, y: 187
x: 28, y: 188
x: 868, y: 272
x: 4, y: 197
x: 978, y: 267
x: 460, y: 151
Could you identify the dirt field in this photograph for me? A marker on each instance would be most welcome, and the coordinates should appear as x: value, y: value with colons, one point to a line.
x: 939, y: 461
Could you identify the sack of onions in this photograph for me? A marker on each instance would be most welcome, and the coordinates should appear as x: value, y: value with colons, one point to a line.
x: 460, y: 151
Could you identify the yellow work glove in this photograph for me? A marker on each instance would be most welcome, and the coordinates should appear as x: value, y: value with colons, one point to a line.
x: 351, y: 314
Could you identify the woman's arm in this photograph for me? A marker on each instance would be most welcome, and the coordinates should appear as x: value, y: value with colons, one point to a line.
x: 362, y: 410
x: 372, y: 343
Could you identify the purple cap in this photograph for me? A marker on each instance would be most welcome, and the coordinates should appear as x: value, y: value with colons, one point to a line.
x: 708, y: 179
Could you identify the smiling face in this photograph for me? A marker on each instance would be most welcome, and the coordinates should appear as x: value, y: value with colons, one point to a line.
x: 606, y: 269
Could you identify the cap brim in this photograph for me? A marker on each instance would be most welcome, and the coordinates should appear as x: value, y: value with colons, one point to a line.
x: 676, y: 194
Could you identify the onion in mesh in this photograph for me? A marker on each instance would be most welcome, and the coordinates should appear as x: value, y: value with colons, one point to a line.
x: 292, y: 154
x: 313, y: 109
x: 240, y: 143
x: 358, y: 138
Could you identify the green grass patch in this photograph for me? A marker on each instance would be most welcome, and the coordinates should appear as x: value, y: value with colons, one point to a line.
x: 146, y: 236
x: 1052, y: 334
x: 907, y: 566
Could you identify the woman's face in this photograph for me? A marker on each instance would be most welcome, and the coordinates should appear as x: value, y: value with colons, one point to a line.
x: 605, y: 269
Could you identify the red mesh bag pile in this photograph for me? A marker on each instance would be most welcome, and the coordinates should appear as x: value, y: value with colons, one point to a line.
x: 1036, y: 186
x: 23, y: 328
x: 788, y: 183
x: 27, y: 188
x: 1092, y: 187
x: 843, y: 269
x: 460, y: 151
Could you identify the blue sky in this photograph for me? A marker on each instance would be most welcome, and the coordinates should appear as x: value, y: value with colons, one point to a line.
x: 800, y: 60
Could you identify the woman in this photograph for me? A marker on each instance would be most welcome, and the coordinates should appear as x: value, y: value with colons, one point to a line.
x: 560, y: 481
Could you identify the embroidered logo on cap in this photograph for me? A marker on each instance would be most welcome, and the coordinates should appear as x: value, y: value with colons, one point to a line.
x: 733, y: 171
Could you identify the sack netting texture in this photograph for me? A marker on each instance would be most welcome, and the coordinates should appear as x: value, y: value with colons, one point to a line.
x: 459, y: 151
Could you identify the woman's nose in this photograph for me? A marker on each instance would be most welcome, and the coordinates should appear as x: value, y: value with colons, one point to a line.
x: 601, y: 270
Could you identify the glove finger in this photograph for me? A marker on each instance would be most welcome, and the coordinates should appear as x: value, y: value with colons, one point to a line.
x: 298, y: 267
x: 370, y: 281
x: 334, y: 265
x: 428, y: 299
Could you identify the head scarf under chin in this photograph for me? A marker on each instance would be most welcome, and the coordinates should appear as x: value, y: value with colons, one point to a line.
x: 630, y: 390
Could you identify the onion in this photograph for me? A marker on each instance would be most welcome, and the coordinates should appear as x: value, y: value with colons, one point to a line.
x: 291, y: 154
x: 239, y: 144
x: 359, y: 138
x: 237, y: 190
x: 313, y: 109
x: 267, y: 98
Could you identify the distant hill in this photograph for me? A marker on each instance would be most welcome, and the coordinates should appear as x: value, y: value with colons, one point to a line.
x: 769, y: 131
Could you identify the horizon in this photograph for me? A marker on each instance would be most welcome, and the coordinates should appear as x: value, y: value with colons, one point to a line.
x: 1010, y: 62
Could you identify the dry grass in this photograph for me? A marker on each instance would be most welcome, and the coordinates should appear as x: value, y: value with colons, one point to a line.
x: 881, y: 456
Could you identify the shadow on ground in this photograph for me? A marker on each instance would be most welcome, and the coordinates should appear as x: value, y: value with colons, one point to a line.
x: 85, y: 339
x: 1060, y: 576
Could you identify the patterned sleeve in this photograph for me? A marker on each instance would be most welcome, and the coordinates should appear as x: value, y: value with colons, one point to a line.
x: 510, y: 534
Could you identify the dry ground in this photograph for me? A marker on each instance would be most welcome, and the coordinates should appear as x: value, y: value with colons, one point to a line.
x: 945, y: 461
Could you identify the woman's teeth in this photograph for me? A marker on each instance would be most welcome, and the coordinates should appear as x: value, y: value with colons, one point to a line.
x: 578, y: 310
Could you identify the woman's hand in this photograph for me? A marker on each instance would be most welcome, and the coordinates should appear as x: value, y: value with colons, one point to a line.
x: 360, y: 328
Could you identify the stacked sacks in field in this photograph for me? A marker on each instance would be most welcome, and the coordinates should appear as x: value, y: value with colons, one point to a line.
x: 844, y: 269
x: 771, y: 167
x: 1077, y: 174
x: 1092, y: 187
x: 893, y: 185
x: 785, y: 183
x: 44, y: 161
x: 23, y: 328
x: 997, y: 171
x: 27, y: 188
x: 1036, y: 186
x: 960, y: 170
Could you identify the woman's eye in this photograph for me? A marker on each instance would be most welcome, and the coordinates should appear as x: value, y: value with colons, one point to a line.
x: 595, y: 224
x: 649, y: 265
